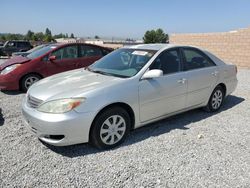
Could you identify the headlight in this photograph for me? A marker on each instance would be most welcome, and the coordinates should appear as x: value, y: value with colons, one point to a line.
x: 60, y: 106
x: 9, y: 69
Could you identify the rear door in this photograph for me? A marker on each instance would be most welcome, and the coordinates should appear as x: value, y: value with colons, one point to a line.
x: 88, y: 54
x: 66, y: 59
x: 201, y: 73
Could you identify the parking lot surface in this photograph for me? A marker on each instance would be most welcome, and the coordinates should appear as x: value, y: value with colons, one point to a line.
x: 193, y: 149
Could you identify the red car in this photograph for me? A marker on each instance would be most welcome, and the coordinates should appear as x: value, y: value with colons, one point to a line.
x: 19, y: 73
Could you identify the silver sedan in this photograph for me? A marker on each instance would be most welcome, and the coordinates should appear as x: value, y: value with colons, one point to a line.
x: 124, y: 90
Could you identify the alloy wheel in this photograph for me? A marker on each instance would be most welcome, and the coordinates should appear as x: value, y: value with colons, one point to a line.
x: 30, y: 80
x: 217, y: 99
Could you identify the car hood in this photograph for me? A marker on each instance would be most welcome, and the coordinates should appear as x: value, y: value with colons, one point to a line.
x: 76, y: 83
x: 14, y: 60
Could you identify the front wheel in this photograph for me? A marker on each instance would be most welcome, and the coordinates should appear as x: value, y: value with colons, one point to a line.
x: 216, y: 99
x: 29, y: 80
x: 110, y: 128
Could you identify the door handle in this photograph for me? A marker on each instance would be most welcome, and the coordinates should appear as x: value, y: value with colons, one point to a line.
x: 182, y: 81
x: 215, y: 73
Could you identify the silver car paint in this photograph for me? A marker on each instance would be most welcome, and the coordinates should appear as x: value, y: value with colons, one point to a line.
x: 177, y: 92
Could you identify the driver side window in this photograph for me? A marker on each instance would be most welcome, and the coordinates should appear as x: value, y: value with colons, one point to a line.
x: 10, y: 44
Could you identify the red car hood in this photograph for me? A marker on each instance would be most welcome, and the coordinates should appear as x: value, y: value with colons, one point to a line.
x: 14, y: 60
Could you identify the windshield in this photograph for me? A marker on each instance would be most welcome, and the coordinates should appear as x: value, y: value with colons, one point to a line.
x: 36, y: 48
x: 5, y: 44
x: 39, y: 52
x: 123, y: 62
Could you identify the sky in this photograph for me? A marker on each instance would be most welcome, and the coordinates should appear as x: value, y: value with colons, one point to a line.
x: 123, y: 18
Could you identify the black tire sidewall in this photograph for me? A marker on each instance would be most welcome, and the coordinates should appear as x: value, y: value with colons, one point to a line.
x: 96, y: 127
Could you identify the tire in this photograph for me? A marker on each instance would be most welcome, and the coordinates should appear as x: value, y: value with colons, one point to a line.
x: 216, y: 100
x: 106, y: 135
x: 28, y: 80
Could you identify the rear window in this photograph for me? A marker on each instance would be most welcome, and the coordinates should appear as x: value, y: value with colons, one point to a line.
x: 194, y: 59
x: 89, y: 51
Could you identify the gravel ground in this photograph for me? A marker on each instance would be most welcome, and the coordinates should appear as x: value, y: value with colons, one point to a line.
x: 194, y: 149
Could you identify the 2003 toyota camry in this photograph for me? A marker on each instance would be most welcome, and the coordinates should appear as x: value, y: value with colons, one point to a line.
x: 124, y: 90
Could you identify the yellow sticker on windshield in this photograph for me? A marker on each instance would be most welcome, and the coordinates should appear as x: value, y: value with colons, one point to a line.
x: 142, y: 53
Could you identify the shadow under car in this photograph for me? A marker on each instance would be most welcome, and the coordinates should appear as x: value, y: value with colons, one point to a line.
x: 1, y: 118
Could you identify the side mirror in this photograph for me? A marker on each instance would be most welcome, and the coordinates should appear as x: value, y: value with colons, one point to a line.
x: 154, y: 73
x: 52, y: 58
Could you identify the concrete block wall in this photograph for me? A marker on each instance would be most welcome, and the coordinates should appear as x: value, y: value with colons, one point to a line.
x: 233, y: 46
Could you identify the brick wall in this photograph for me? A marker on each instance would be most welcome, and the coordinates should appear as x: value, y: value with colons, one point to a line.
x: 233, y: 46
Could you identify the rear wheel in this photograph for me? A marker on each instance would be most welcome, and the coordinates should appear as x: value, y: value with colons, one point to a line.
x: 216, y: 100
x: 28, y: 81
x: 110, y: 128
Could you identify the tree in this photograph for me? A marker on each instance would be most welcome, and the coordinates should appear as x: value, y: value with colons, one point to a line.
x: 34, y: 37
x: 39, y: 36
x: 48, y: 32
x: 48, y: 38
x: 10, y: 36
x: 3, y: 38
x: 29, y: 35
x: 97, y: 37
x: 72, y: 35
x: 58, y: 36
x: 155, y: 36
x: 129, y: 40
x: 61, y: 35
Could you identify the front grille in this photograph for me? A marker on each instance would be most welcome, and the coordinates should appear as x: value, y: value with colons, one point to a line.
x: 33, y: 102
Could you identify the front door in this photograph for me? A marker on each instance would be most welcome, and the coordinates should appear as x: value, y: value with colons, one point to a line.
x: 66, y: 59
x: 166, y: 94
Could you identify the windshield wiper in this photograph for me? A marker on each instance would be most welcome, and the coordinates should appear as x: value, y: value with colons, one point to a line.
x: 97, y: 71
x: 87, y: 68
x: 102, y: 72
x: 106, y: 73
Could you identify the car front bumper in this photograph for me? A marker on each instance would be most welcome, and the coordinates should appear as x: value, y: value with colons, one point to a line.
x: 58, y: 129
x: 9, y: 82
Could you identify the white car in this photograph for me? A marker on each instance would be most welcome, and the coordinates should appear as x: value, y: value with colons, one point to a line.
x: 124, y: 90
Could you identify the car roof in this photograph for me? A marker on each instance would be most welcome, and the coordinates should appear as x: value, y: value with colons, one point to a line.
x: 152, y: 46
x: 156, y: 47
x: 18, y: 41
x: 61, y: 44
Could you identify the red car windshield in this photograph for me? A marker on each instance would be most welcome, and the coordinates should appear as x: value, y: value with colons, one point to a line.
x: 40, y: 52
